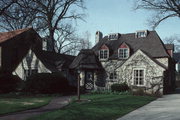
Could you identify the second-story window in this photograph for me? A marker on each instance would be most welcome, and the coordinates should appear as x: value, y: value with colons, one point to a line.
x: 104, y: 54
x: 123, y: 53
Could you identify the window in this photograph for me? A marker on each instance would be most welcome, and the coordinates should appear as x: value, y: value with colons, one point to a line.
x: 123, y: 53
x: 114, y: 36
x: 138, y: 75
x: 140, y: 34
x: 29, y: 72
x: 113, y: 75
x: 104, y: 54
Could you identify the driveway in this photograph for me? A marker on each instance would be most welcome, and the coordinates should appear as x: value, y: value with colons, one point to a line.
x: 55, y: 104
x: 165, y: 108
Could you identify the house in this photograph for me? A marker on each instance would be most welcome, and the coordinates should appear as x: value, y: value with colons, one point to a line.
x: 22, y: 53
x: 140, y: 59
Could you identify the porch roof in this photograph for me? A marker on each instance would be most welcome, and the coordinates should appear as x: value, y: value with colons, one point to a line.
x: 86, y: 59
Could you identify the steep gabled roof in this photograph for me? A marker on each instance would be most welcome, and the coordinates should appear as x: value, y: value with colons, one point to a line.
x: 4, y: 36
x: 55, y: 62
x: 142, y: 52
x: 86, y: 59
x: 151, y: 44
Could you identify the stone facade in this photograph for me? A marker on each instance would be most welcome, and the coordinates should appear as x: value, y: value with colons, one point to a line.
x: 154, y: 73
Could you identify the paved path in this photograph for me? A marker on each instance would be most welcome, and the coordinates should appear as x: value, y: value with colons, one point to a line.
x: 165, y: 108
x: 56, y: 103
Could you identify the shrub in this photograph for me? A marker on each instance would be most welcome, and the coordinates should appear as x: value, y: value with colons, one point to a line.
x: 48, y: 83
x: 9, y: 83
x: 139, y: 92
x: 119, y: 87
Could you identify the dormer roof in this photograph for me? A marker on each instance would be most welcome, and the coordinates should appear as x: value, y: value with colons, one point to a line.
x: 151, y: 44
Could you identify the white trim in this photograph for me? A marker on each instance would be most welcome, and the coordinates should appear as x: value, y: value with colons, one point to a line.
x: 103, y: 54
x: 113, y: 80
x: 123, y: 53
x: 115, y: 36
x: 144, y: 76
x: 141, y: 31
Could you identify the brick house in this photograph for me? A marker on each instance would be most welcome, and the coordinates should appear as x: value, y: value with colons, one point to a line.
x: 140, y: 59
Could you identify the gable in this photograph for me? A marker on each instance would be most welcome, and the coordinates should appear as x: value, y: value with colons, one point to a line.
x: 104, y: 47
x: 139, y: 58
x: 30, y: 61
x: 123, y: 45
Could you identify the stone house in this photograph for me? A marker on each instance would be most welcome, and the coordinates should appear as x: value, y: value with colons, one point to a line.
x: 23, y: 54
x: 140, y: 59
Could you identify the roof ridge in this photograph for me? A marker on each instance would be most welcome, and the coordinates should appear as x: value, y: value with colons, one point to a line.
x: 4, y: 36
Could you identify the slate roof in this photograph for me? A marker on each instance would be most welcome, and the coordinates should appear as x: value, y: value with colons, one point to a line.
x: 55, y: 62
x: 86, y: 59
x: 151, y: 44
x: 4, y: 36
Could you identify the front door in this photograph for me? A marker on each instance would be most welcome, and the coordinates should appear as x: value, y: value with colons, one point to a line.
x: 89, y: 81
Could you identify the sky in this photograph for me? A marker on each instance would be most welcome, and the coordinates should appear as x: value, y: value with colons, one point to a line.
x: 118, y: 16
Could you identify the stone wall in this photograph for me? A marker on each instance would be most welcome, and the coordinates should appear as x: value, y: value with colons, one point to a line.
x: 153, y: 71
x: 164, y: 61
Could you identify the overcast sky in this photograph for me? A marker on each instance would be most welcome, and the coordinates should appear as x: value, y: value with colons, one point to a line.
x: 118, y: 16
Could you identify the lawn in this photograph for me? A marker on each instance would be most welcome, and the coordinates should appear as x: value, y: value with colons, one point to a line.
x: 9, y: 104
x: 101, y: 107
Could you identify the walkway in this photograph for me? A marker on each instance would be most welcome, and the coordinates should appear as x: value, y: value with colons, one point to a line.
x: 165, y: 108
x: 56, y: 103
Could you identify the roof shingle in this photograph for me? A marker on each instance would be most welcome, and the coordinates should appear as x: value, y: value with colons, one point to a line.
x: 151, y: 44
x: 4, y: 36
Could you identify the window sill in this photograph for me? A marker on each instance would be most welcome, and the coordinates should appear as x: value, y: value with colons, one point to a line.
x: 139, y: 86
x: 103, y: 59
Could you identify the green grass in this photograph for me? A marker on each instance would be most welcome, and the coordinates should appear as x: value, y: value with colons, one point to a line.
x: 9, y: 104
x: 101, y: 107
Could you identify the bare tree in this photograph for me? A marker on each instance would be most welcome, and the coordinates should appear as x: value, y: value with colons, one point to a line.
x: 74, y: 43
x: 164, y: 9
x: 5, y: 4
x: 49, y: 17
x: 174, y: 39
x: 85, y: 41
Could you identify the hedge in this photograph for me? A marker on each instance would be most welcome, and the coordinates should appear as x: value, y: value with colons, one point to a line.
x: 48, y: 83
x: 119, y: 87
x: 9, y: 83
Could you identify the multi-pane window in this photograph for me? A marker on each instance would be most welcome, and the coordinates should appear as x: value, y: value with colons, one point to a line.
x: 123, y: 53
x: 29, y: 72
x: 113, y: 75
x: 138, y: 77
x: 103, y: 54
x: 141, y: 34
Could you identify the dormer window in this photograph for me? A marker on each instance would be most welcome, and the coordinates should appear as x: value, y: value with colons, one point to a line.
x: 114, y: 36
x: 123, y: 51
x: 104, y: 52
x: 140, y: 34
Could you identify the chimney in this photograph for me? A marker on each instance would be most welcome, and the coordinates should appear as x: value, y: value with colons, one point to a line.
x: 98, y: 37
